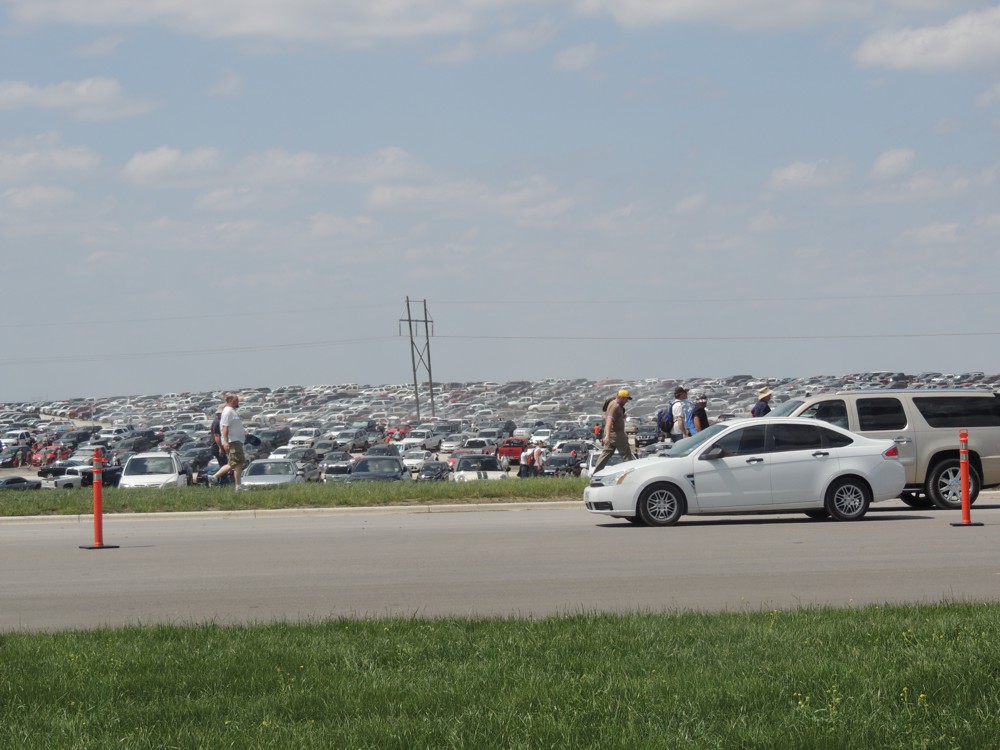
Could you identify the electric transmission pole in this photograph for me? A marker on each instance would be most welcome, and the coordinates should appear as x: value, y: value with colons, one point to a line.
x: 418, y: 353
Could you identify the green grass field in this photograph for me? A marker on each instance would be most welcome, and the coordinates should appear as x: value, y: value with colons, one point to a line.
x: 328, y: 495
x: 899, y: 677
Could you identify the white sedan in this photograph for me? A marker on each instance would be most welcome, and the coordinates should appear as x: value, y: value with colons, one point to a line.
x: 414, y: 460
x: 473, y: 466
x: 773, y: 465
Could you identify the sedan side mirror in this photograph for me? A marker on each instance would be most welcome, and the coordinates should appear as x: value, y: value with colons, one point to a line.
x: 713, y: 453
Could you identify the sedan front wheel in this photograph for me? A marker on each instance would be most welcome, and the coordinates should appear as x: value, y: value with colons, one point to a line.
x: 661, y: 505
x: 848, y: 499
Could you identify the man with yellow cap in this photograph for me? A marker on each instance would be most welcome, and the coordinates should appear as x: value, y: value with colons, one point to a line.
x: 614, y: 431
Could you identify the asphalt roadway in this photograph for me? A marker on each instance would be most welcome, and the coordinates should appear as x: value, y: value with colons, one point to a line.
x: 526, y: 560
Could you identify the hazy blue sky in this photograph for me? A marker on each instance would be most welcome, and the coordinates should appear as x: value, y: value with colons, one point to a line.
x: 200, y: 195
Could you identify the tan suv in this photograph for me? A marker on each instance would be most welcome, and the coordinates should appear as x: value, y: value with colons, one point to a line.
x: 925, y: 426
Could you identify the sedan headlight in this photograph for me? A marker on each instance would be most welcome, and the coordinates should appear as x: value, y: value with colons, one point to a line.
x: 607, y: 480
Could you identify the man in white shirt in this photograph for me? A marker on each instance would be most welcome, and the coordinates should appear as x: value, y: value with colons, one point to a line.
x: 233, y: 436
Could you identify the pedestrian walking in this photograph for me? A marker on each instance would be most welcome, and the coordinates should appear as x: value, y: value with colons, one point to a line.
x: 615, y: 437
x: 217, y: 450
x: 233, y: 436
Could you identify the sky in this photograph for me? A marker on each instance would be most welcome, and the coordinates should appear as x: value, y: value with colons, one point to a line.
x: 205, y: 196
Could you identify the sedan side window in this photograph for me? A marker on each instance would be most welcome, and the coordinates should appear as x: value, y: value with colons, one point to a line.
x: 796, y: 437
x: 743, y: 442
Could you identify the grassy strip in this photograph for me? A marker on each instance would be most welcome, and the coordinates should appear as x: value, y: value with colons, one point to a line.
x: 335, y: 494
x: 879, y: 677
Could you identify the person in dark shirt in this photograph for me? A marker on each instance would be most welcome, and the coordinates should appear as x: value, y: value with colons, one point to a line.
x: 700, y: 416
x: 762, y: 407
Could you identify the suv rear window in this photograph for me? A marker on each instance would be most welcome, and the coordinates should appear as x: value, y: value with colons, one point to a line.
x: 880, y: 414
x: 959, y: 411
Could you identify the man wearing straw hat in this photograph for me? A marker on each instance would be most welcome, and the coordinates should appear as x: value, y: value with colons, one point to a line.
x: 762, y: 406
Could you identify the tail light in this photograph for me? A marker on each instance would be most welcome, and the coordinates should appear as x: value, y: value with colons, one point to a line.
x: 892, y: 452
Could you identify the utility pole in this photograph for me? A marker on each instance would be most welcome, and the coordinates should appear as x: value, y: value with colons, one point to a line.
x: 418, y: 353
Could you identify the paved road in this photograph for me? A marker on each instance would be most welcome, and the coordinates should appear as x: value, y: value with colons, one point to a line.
x: 538, y: 561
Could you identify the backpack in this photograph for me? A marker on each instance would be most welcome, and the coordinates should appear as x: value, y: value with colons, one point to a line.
x: 665, y: 419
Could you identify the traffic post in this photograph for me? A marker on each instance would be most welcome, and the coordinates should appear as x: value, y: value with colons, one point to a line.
x: 99, y: 505
x: 963, y: 467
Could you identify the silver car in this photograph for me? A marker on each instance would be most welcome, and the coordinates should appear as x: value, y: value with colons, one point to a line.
x: 271, y: 472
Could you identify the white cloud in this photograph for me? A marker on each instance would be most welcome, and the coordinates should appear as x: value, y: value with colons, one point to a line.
x: 347, y: 20
x: 691, y: 203
x: 167, y: 165
x: 327, y: 226
x: 36, y: 197
x: 933, y: 234
x: 967, y: 42
x: 227, y: 199
x: 103, y: 47
x: 989, y: 97
x: 227, y: 86
x: 756, y: 14
x: 31, y: 157
x: 576, y: 58
x: 92, y: 99
x: 892, y: 164
x: 817, y: 174
x: 531, y: 199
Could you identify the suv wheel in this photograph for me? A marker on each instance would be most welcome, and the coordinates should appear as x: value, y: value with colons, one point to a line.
x: 944, y: 485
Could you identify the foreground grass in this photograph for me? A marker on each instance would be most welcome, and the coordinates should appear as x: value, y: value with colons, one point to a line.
x: 899, y: 677
x: 196, y: 498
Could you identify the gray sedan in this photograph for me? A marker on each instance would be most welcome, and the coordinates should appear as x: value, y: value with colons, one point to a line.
x: 271, y: 472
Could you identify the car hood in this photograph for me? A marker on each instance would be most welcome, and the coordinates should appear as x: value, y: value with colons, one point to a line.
x: 147, y: 480
x: 269, y: 480
x: 376, y: 476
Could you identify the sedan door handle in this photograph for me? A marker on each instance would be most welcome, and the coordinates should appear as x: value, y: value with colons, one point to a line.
x: 755, y: 460
x: 902, y: 440
x: 820, y: 454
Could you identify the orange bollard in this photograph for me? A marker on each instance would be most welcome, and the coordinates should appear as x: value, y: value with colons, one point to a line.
x: 963, y: 467
x: 99, y: 505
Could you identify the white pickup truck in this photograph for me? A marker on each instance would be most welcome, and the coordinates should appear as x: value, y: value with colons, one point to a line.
x: 73, y: 478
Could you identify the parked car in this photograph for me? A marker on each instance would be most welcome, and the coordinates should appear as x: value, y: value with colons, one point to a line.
x: 157, y: 469
x: 433, y: 471
x: 512, y: 448
x: 778, y: 465
x: 352, y: 440
x: 561, y: 465
x: 414, y: 460
x: 19, y: 483
x: 452, y: 442
x: 477, y: 466
x: 378, y: 468
x: 8, y: 457
x: 271, y: 472
x: 924, y: 425
x: 481, y: 445
x: 383, y: 449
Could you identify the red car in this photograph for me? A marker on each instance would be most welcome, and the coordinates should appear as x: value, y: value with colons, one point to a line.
x: 50, y: 454
x: 512, y: 448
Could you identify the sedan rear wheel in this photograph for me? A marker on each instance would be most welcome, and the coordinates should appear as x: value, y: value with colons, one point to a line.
x: 848, y: 499
x: 661, y: 505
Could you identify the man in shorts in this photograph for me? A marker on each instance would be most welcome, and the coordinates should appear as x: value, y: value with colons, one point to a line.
x: 233, y: 436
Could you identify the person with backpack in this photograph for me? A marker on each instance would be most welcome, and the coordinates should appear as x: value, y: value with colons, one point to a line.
x: 615, y: 437
x: 680, y: 415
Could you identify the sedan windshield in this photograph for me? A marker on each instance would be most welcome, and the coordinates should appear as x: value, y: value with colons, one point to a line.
x: 689, y: 445
x: 145, y: 466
